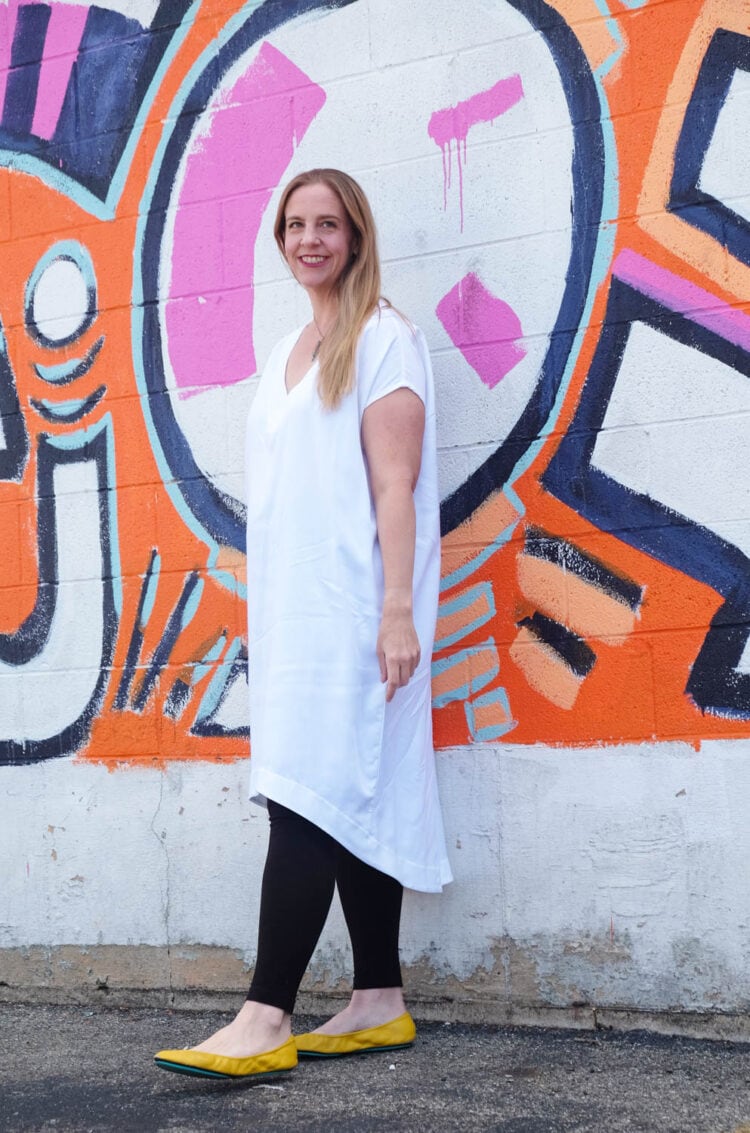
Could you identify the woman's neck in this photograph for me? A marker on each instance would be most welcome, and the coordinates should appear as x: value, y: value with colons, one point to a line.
x: 324, y: 311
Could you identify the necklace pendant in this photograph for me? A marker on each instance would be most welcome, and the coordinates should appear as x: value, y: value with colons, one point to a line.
x: 316, y: 350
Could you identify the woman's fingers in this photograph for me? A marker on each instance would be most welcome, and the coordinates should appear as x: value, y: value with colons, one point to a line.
x: 398, y: 672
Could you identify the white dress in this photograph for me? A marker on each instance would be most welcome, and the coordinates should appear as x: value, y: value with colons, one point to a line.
x: 323, y: 740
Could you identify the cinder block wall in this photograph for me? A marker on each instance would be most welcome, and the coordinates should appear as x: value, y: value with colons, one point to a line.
x: 563, y: 199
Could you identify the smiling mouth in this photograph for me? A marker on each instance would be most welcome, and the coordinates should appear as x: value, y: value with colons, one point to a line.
x: 313, y: 260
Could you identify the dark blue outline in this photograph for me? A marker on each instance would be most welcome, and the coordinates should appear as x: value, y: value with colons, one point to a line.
x: 727, y: 52
x: 20, y: 647
x: 586, y: 208
x: 222, y: 516
x: 650, y: 526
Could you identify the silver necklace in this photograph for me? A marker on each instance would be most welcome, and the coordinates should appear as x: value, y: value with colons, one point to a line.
x: 319, y: 343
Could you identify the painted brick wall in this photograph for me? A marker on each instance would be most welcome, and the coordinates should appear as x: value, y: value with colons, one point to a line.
x: 563, y: 197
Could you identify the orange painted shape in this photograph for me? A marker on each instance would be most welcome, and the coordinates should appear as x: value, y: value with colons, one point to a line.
x: 544, y: 670
x: 575, y: 603
x: 590, y: 27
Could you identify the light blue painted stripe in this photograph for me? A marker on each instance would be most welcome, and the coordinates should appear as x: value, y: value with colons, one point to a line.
x: 614, y: 30
x: 63, y: 407
x: 230, y: 581
x: 462, y: 573
x: 206, y: 662
x: 59, y: 371
x: 215, y: 690
x: 490, y: 731
x: 474, y: 684
x: 61, y: 182
x: 469, y: 597
x: 71, y: 441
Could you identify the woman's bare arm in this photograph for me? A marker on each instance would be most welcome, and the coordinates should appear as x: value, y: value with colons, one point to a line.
x: 392, y: 432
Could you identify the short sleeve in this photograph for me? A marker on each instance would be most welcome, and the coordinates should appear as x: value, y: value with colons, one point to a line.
x: 389, y: 358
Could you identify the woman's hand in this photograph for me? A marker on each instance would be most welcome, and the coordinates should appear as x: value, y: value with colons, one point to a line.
x: 398, y: 647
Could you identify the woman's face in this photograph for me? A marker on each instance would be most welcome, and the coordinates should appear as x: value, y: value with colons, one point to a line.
x: 318, y: 237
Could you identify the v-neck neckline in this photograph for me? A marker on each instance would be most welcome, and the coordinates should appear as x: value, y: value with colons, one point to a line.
x: 287, y: 390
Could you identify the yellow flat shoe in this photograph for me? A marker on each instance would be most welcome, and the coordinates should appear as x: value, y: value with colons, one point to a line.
x: 396, y: 1035
x: 205, y: 1065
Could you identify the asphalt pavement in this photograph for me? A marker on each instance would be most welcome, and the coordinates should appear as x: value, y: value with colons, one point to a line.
x: 91, y: 1069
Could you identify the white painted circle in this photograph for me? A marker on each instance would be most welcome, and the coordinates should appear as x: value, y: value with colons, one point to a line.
x: 60, y: 302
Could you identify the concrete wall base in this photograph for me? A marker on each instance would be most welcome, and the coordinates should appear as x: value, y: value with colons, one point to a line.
x: 213, y: 979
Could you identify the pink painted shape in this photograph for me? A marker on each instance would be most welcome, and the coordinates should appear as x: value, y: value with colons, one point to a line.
x: 484, y: 328
x: 61, y: 45
x: 7, y: 31
x: 453, y: 125
x: 683, y: 297
x: 233, y: 167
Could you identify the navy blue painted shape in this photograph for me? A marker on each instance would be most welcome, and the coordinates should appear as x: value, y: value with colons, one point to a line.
x: 116, y: 62
x: 222, y: 517
x: 27, y: 49
x: 645, y: 523
x: 26, y: 643
x: 541, y: 545
x: 726, y: 53
x: 176, y: 702
x: 15, y: 445
x: 586, y: 208
x: 570, y: 648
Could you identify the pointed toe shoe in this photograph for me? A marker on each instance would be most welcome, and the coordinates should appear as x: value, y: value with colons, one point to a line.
x: 204, y: 1065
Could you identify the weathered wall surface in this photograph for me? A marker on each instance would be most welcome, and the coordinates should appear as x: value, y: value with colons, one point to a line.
x: 563, y: 193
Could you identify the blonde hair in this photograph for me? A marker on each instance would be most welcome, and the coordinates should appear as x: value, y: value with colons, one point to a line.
x: 358, y: 285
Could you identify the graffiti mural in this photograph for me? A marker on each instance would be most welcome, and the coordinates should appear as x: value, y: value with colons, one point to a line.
x: 564, y: 203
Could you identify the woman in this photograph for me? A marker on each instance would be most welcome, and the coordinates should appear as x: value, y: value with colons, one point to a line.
x: 343, y: 572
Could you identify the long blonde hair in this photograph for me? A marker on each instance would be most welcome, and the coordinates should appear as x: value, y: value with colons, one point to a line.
x: 358, y: 285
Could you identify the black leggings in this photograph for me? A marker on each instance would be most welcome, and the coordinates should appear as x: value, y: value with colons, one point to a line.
x: 302, y: 866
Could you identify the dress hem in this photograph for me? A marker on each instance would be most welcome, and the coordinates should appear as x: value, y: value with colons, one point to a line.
x: 423, y: 879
